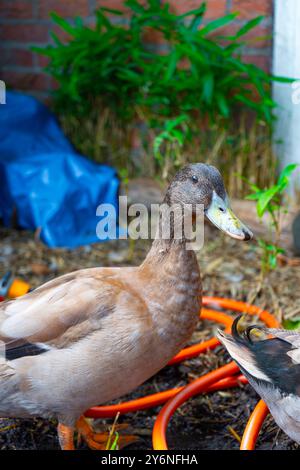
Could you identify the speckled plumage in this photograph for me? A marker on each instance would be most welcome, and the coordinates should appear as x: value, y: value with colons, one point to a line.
x: 272, y: 367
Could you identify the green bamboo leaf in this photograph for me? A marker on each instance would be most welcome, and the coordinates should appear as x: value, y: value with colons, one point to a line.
x: 172, y: 65
x: 255, y: 196
x: 265, y: 199
x: 247, y: 27
x: 56, y: 39
x: 172, y: 123
x: 112, y: 11
x: 197, y: 11
x: 63, y: 24
x: 218, y: 23
x: 252, y: 185
x: 287, y: 173
x: 208, y: 87
x: 178, y: 135
x: 283, y: 79
x: 251, y: 104
x: 222, y: 104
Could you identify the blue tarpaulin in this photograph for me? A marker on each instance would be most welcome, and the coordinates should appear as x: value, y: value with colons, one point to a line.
x: 44, y: 180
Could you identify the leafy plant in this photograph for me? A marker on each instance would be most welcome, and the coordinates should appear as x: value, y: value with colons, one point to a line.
x: 113, y: 444
x: 291, y: 324
x: 270, y: 201
x: 110, y: 81
x: 270, y: 253
x: 172, y: 138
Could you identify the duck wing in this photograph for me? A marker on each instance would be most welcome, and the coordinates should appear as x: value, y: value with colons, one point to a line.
x: 291, y: 337
x: 60, y: 312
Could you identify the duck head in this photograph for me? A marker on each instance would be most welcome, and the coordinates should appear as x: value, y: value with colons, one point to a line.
x: 203, y: 184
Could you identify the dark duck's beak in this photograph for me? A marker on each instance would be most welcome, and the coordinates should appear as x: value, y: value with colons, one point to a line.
x: 270, y: 359
x: 221, y: 215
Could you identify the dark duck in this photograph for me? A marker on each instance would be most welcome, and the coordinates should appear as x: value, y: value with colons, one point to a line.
x: 270, y: 359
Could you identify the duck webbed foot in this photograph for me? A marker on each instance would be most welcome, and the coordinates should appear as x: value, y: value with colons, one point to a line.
x: 103, y: 440
x: 65, y: 437
x: 94, y: 440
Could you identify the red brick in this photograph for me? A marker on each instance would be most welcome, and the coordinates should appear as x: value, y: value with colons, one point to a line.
x: 259, y: 37
x: 113, y: 4
x: 64, y: 8
x: 24, y: 32
x: 215, y: 8
x: 14, y: 56
x: 153, y: 37
x: 42, y: 60
x: 184, y: 64
x: 264, y: 62
x: 60, y: 33
x: 17, y: 9
x: 251, y: 8
x: 25, y: 80
x: 54, y: 85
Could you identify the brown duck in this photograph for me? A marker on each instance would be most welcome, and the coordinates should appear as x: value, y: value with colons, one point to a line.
x: 96, y: 334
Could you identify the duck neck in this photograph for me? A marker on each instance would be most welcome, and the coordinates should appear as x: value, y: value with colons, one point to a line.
x: 173, y: 288
x: 169, y: 249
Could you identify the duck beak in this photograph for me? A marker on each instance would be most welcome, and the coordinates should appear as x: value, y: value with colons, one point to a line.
x: 220, y: 214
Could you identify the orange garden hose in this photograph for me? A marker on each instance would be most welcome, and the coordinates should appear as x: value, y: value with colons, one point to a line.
x: 254, y: 425
x: 227, y: 376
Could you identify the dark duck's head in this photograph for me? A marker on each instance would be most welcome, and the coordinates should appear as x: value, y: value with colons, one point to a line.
x: 270, y: 359
x: 202, y: 184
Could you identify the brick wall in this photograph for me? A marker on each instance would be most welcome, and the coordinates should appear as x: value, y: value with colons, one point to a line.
x: 26, y: 22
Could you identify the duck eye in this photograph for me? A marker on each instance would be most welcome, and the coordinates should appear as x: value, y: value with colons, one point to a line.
x: 221, y: 209
x: 195, y: 179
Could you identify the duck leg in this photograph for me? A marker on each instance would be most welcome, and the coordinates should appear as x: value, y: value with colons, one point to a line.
x: 65, y: 437
x: 98, y: 441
